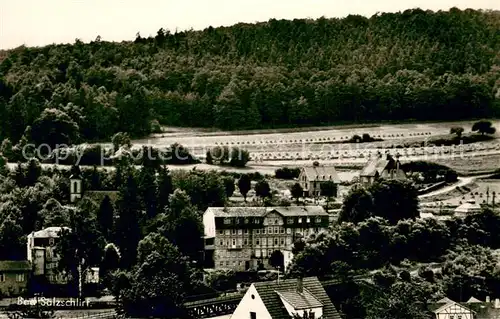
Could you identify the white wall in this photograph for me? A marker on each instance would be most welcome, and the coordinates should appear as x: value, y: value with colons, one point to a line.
x: 209, y: 223
x: 247, y: 305
x: 454, y: 311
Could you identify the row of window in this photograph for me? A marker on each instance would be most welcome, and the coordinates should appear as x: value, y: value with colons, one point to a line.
x: 257, y: 241
x: 19, y: 277
x: 289, y: 220
x: 269, y: 231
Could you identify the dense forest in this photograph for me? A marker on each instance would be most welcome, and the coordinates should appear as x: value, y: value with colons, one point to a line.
x: 416, y: 64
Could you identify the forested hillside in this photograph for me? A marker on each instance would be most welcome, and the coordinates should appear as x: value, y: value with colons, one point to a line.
x: 411, y: 65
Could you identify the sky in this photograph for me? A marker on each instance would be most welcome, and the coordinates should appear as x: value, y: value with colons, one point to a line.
x: 42, y: 22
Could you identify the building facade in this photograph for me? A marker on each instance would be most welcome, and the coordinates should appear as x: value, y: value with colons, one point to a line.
x: 41, y: 252
x: 14, y: 276
x: 242, y: 238
x: 285, y: 299
x: 311, y: 178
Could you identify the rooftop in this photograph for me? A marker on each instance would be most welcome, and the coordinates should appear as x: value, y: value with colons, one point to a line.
x: 300, y: 301
x: 49, y: 232
x: 287, y: 211
x: 321, y: 172
x: 14, y: 265
x: 269, y: 293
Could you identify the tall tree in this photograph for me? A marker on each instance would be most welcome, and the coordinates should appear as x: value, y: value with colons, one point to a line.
x: 244, y: 185
x: 262, y: 189
x: 128, y: 232
x: 105, y: 217
x: 165, y: 188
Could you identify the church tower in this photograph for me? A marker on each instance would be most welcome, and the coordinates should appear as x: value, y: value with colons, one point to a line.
x: 75, y: 184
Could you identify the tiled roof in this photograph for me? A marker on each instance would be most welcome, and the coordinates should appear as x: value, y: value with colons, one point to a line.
x: 268, y: 293
x: 321, y: 173
x: 373, y: 167
x: 14, y: 265
x: 300, y: 301
x: 300, y: 210
x: 286, y: 211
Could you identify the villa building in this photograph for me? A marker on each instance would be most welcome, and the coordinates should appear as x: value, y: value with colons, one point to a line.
x: 311, y: 178
x: 242, y: 238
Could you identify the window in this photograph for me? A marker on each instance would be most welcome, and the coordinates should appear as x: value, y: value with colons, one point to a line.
x: 263, y: 230
x: 253, y: 315
x: 227, y: 231
x: 275, y: 241
x: 227, y: 221
x: 222, y: 263
x: 20, y: 277
x: 282, y: 242
x: 245, y: 242
x: 258, y: 231
x: 75, y: 187
x: 234, y: 242
x: 276, y: 230
x: 246, y: 231
x: 240, y: 231
x: 318, y: 219
x: 221, y: 242
x: 246, y: 220
x: 257, y: 253
x: 221, y: 232
x: 300, y: 220
x: 308, y: 220
x: 51, y: 241
x: 256, y: 221
x: 282, y: 230
x: 289, y: 220
x: 276, y: 221
x: 257, y: 242
x: 234, y: 231
x: 288, y: 231
x: 288, y: 241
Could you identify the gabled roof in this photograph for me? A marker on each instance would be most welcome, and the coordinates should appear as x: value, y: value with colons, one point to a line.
x: 374, y: 167
x: 450, y: 304
x: 468, y: 208
x: 14, y: 265
x: 321, y: 173
x: 268, y: 292
x: 444, y: 300
x: 473, y: 300
x: 49, y: 232
x: 300, y: 301
x: 287, y: 211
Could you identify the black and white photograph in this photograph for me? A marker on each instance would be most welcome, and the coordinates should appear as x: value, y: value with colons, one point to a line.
x: 249, y: 159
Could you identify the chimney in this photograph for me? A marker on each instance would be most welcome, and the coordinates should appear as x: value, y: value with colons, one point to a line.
x: 300, y: 285
x: 487, y: 298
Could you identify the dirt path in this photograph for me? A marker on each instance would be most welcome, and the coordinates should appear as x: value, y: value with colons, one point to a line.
x: 462, y: 181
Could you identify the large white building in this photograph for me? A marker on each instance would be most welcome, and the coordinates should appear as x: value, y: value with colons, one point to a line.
x: 241, y: 238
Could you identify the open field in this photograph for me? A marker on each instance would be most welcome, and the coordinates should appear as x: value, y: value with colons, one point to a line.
x: 194, y: 137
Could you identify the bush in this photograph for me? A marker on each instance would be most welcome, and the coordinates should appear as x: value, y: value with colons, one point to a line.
x: 287, y: 173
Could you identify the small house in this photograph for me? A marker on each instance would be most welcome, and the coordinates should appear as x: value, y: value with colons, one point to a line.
x: 14, y: 277
x: 380, y: 167
x: 311, y: 178
x: 284, y: 299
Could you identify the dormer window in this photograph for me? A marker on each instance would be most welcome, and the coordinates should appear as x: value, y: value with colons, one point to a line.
x: 300, y: 220
x: 308, y: 220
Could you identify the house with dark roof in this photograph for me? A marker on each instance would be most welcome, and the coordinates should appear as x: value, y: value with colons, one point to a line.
x: 284, y: 299
x: 14, y: 276
x: 381, y: 167
x: 243, y: 238
x: 77, y: 190
x: 311, y: 178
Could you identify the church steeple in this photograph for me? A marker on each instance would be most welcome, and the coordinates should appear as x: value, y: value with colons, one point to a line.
x: 75, y: 184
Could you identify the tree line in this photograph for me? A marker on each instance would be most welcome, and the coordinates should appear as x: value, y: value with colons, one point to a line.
x: 414, y: 64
